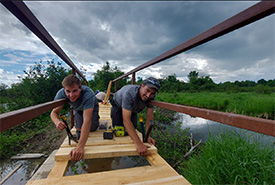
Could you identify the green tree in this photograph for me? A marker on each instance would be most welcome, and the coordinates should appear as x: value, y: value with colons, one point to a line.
x: 39, y: 85
x: 200, y: 83
x: 171, y: 84
x: 3, y: 89
x: 104, y: 76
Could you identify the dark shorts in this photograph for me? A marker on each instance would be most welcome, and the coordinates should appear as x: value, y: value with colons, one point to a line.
x: 116, y: 115
x: 78, y: 117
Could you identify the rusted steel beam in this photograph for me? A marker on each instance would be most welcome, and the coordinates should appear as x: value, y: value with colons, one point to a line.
x: 13, y: 118
x: 20, y: 10
x: 259, y: 125
x: 133, y: 78
x: 115, y: 86
x: 252, y: 14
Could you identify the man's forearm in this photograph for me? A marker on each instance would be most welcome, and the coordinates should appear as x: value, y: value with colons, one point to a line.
x: 132, y: 132
x: 84, y: 135
x: 54, y: 117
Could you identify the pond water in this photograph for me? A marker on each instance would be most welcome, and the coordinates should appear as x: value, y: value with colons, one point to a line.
x: 22, y: 175
x: 104, y: 164
x: 201, y: 128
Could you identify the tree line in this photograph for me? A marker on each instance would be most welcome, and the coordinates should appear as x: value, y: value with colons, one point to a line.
x: 41, y: 82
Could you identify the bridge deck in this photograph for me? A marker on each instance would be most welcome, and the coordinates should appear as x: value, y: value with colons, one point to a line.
x: 158, y: 172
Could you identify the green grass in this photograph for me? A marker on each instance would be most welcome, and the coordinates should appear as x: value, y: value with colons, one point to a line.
x: 231, y: 159
x: 250, y: 104
x: 16, y: 138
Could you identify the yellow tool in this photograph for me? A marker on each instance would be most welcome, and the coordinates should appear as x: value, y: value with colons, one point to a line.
x: 120, y: 131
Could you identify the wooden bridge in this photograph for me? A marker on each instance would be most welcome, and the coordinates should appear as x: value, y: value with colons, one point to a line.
x: 158, y: 172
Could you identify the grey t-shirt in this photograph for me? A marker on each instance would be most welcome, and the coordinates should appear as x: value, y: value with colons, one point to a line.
x: 127, y: 98
x: 86, y: 101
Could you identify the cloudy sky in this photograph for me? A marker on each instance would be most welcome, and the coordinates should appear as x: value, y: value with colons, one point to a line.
x: 128, y: 34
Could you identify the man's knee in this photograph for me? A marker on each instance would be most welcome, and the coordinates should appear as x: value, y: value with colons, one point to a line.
x: 95, y: 120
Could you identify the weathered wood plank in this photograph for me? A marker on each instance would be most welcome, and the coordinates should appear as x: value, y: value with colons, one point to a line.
x: 103, y: 151
x: 28, y: 156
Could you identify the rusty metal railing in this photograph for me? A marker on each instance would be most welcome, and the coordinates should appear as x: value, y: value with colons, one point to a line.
x: 13, y: 118
x: 250, y: 15
x: 22, y: 12
x: 259, y: 125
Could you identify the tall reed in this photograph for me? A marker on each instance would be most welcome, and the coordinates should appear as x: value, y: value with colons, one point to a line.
x: 231, y: 159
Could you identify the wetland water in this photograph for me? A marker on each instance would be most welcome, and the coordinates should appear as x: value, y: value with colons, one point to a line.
x: 22, y: 175
x: 201, y: 128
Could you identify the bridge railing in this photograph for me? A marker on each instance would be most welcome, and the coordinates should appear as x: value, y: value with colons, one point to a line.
x: 250, y: 15
x: 24, y: 14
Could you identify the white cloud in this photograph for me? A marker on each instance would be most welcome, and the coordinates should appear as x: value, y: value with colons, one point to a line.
x: 128, y: 34
x: 8, y: 77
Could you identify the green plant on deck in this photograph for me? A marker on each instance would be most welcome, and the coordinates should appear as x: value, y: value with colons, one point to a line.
x: 78, y: 164
x: 231, y: 159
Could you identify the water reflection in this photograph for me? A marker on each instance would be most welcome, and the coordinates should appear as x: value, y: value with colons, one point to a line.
x: 104, y: 164
x: 22, y: 175
x: 201, y: 128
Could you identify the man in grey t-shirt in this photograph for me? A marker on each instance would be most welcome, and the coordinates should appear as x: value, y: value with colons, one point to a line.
x: 130, y: 100
x: 85, y: 105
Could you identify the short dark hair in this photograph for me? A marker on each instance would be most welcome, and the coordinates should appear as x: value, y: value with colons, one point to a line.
x: 71, y: 80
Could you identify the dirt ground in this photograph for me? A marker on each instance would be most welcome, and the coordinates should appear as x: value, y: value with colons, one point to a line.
x: 46, y: 142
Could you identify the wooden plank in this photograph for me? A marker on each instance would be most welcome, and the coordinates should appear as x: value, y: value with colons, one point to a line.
x: 96, y: 138
x: 104, y: 151
x: 11, y: 173
x: 45, y: 168
x: 115, y: 177
x: 156, y: 159
x: 28, y: 156
x: 100, y: 141
x: 180, y: 180
x: 59, y: 169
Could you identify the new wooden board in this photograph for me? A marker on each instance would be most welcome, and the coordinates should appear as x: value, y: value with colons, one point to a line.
x: 115, y: 177
x: 96, y: 139
x: 103, y: 151
x: 100, y: 141
x: 58, y: 169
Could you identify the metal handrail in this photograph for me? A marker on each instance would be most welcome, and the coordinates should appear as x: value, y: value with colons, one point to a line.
x: 20, y: 10
x: 250, y: 15
x: 13, y: 118
x: 259, y: 125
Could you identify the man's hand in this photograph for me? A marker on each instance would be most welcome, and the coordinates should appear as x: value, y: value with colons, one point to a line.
x: 151, y: 141
x: 143, y: 150
x: 60, y: 125
x: 77, y: 153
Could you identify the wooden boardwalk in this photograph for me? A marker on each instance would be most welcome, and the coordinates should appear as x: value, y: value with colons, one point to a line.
x: 158, y: 172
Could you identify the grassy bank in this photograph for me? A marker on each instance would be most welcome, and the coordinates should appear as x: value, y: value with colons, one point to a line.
x: 250, y: 104
x: 36, y: 135
x: 231, y: 159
